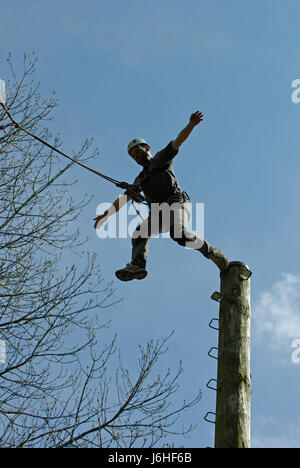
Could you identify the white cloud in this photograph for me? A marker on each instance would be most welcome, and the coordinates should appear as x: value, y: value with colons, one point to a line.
x: 277, y: 313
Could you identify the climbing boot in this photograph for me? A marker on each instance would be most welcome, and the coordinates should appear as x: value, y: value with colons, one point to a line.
x: 215, y: 255
x: 131, y: 272
x: 218, y: 258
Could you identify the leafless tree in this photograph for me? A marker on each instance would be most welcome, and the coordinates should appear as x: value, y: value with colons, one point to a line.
x: 58, y: 386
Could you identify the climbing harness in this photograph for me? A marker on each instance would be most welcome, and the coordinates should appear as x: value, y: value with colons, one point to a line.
x: 135, y: 196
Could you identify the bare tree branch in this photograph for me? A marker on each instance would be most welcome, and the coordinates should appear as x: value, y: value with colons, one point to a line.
x: 59, y: 387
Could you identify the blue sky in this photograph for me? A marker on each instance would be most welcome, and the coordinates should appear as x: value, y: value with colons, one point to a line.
x: 126, y: 68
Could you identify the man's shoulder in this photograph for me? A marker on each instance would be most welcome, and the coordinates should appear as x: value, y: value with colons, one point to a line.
x: 167, y: 149
x: 163, y: 159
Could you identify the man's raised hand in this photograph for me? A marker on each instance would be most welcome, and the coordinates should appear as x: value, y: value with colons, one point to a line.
x: 196, y: 118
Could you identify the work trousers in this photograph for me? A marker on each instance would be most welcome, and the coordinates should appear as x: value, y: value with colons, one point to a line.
x: 165, y: 218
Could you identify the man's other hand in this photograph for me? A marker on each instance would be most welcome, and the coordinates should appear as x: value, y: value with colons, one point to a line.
x: 100, y: 220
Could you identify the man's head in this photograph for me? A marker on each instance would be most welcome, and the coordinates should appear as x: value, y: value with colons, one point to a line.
x: 139, y: 150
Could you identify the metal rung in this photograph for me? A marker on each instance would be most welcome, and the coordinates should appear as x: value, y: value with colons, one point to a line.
x: 209, y: 420
x: 210, y: 324
x: 245, y: 273
x: 216, y: 296
x: 209, y: 352
x: 210, y: 387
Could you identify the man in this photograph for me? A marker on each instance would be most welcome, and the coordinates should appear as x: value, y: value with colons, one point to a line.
x: 169, y: 207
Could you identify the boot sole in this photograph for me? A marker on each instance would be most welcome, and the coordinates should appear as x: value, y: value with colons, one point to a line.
x: 128, y: 275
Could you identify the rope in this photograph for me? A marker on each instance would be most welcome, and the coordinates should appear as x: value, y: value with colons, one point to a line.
x: 136, y: 196
x: 14, y: 123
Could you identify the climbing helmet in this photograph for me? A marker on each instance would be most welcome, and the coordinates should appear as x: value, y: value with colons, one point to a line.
x: 135, y: 142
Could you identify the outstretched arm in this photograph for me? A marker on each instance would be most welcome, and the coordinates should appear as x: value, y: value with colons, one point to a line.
x: 195, y: 119
x: 114, y: 208
x: 130, y: 194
